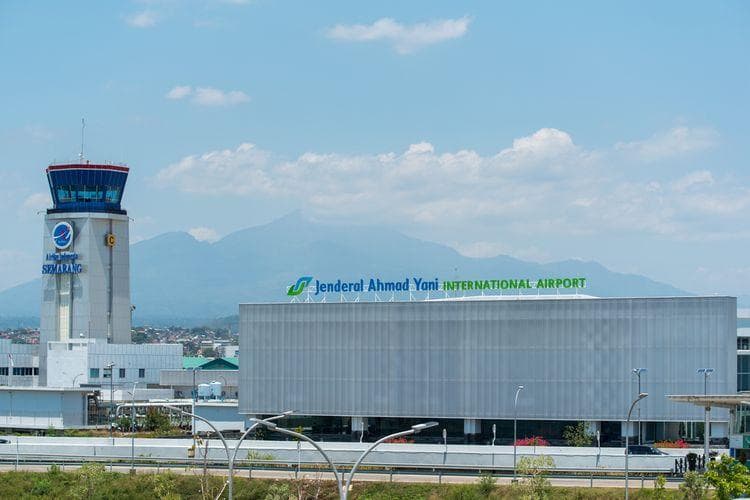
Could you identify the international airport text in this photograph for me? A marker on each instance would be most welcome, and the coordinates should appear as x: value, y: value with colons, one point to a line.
x: 428, y: 285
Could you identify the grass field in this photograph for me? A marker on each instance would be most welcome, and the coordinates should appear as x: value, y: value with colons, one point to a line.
x: 93, y: 483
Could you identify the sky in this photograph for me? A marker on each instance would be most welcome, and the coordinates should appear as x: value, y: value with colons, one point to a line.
x: 607, y: 131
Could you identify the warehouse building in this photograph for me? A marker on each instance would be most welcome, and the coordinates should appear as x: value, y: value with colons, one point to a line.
x: 371, y: 367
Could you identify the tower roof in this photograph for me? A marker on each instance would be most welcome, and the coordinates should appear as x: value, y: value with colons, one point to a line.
x: 87, y: 187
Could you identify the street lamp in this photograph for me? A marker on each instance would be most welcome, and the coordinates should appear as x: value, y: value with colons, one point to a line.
x: 76, y: 378
x: 627, y: 440
x: 273, y: 427
x: 206, y: 421
x: 343, y: 490
x: 195, y: 395
x: 415, y: 429
x: 132, y: 428
x: 515, y: 422
x: 111, y: 368
x: 638, y: 372
x: 236, y: 448
x: 706, y: 421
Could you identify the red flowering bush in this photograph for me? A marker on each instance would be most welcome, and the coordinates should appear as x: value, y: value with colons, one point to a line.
x: 400, y: 440
x: 680, y: 443
x: 532, y: 441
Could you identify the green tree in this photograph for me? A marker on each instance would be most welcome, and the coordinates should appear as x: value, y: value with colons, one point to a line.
x: 535, y: 484
x: 578, y: 435
x: 729, y: 477
x: 157, y: 421
x: 123, y: 423
x: 694, y: 487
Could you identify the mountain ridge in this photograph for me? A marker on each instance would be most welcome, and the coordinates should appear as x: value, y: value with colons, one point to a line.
x: 176, y: 279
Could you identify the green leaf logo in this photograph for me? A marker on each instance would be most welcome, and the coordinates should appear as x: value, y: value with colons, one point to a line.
x: 298, y: 287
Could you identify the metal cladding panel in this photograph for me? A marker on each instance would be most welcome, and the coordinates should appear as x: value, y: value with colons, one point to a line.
x: 464, y: 359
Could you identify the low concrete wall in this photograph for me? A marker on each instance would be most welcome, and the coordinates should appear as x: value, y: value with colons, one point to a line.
x: 475, y: 457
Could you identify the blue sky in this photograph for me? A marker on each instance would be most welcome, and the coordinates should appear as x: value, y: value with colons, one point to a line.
x: 604, y: 131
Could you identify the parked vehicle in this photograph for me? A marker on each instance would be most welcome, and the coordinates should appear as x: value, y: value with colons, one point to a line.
x: 638, y: 449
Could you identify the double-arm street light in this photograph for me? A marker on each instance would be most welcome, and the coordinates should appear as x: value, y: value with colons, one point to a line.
x: 344, y: 489
x: 415, y: 429
x: 627, y: 440
x: 194, y: 416
x: 706, y: 372
x: 242, y: 438
x: 637, y: 372
x: 515, y: 422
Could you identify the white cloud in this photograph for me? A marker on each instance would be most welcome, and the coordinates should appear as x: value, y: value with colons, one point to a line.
x: 36, y: 202
x: 698, y: 178
x: 179, y: 92
x: 204, y: 234
x: 208, y: 96
x: 404, y: 38
x: 143, y: 19
x: 542, y: 183
x: 674, y: 142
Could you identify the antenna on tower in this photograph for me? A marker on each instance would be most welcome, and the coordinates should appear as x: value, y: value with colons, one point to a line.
x: 83, y: 126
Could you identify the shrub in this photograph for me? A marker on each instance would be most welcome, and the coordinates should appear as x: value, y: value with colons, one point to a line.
x: 694, y: 487
x: 660, y: 488
x: 42, y: 487
x: 157, y: 421
x: 487, y: 484
x: 532, y: 441
x: 730, y: 478
x: 578, y: 435
x: 401, y: 440
x: 90, y: 477
x: 463, y: 492
x: 165, y: 486
x: 535, y: 483
x: 680, y: 443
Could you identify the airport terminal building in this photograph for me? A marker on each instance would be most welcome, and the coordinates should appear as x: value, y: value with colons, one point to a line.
x: 372, y: 366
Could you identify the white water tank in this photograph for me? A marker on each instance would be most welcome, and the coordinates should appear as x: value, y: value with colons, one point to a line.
x: 204, y: 391
x: 216, y: 388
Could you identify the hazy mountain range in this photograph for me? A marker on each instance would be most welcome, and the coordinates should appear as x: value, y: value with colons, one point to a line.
x: 179, y: 280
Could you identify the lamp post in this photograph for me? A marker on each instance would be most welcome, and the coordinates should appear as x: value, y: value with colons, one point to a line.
x: 515, y: 422
x: 344, y: 489
x: 237, y: 448
x: 206, y: 421
x: 637, y: 372
x: 195, y: 395
x: 415, y: 429
x: 132, y: 428
x: 76, y: 378
x: 111, y: 368
x: 627, y: 440
x: 706, y: 372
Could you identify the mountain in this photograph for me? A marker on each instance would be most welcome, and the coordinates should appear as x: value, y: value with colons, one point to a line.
x: 179, y: 280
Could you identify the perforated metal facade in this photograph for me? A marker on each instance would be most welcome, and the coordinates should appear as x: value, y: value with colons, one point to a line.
x: 463, y: 359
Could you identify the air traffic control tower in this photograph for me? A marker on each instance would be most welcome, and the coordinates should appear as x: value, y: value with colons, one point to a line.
x: 86, y: 260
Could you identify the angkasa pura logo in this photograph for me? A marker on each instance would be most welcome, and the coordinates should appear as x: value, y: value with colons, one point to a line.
x: 298, y: 287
